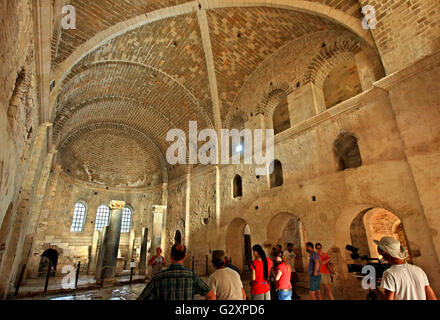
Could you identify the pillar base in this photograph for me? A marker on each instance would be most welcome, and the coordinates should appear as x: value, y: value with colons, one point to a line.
x: 110, y: 282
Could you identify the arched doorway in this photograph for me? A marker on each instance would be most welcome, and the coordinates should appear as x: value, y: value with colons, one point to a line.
x: 373, y: 224
x: 238, y: 243
x: 49, y: 259
x: 286, y: 228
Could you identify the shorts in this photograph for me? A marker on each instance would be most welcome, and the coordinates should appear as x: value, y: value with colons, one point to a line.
x: 326, y: 278
x: 315, y: 282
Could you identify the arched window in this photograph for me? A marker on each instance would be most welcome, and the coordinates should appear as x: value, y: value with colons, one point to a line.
x: 102, y: 217
x: 281, y: 116
x: 237, y: 190
x: 347, y: 151
x: 79, y: 217
x: 126, y: 219
x: 276, y: 178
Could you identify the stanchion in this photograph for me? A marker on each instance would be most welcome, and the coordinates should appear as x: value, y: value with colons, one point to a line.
x: 192, y: 267
x: 47, y: 277
x: 131, y: 274
x: 20, y: 279
x: 77, y: 274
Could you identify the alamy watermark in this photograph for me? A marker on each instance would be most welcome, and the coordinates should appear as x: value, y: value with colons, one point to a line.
x: 369, y: 21
x: 68, y: 21
x: 248, y: 142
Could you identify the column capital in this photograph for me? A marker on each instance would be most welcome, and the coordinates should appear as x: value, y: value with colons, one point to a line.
x: 114, y: 204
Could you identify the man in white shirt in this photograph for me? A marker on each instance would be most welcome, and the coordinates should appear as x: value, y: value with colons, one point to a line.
x: 225, y: 283
x: 402, y: 281
x: 290, y: 257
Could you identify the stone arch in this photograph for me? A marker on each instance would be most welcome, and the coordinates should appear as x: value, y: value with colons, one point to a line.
x: 143, y: 138
x: 68, y: 82
x: 347, y: 151
x: 268, y: 103
x: 285, y: 227
x: 232, y: 117
x: 378, y: 223
x: 235, y: 242
x: 344, y: 19
x: 329, y: 57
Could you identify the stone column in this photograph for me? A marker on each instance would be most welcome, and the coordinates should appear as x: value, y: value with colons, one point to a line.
x: 143, y: 255
x: 111, y: 242
x: 130, y: 248
x: 100, y: 253
x: 94, y: 252
x: 157, y: 232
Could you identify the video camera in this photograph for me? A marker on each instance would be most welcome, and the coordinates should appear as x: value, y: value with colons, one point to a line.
x: 378, y: 266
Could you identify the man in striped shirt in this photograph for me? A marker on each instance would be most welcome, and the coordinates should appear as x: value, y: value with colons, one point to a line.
x: 176, y: 282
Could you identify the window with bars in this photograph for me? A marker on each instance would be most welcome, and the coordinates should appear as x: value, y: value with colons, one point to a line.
x: 102, y: 217
x: 79, y: 217
x: 126, y: 220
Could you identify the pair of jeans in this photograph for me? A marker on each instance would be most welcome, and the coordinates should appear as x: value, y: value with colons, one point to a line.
x: 285, y: 295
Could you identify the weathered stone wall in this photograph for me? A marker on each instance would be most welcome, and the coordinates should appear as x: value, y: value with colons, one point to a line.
x: 18, y: 112
x: 327, y: 200
x: 55, y: 224
x: 406, y: 31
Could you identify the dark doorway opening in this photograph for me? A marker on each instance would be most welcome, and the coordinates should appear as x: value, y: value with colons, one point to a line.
x: 49, y: 259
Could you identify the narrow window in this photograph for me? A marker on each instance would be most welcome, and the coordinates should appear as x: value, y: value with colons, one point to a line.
x: 237, y: 188
x: 102, y: 217
x: 79, y: 217
x: 347, y: 152
x: 276, y: 178
x: 178, y: 237
x: 126, y: 219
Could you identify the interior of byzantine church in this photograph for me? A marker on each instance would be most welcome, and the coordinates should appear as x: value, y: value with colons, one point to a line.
x: 92, y: 89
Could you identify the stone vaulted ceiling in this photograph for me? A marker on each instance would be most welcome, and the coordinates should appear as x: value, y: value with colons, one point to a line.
x: 116, y: 103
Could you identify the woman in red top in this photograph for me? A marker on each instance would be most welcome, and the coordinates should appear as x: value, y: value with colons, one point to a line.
x: 282, y: 278
x: 325, y: 273
x: 260, y: 288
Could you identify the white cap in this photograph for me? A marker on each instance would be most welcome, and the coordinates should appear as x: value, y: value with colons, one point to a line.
x: 393, y: 247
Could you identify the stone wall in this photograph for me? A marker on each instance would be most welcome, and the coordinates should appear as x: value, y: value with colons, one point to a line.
x: 55, y: 224
x: 406, y: 31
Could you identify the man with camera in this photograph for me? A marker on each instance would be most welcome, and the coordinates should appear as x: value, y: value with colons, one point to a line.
x: 402, y: 281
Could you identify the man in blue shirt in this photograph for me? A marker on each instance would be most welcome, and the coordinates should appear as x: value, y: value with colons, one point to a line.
x: 314, y: 272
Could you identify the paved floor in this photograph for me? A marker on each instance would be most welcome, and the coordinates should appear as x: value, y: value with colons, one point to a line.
x: 123, y: 292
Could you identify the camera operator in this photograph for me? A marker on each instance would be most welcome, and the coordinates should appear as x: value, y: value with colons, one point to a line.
x: 402, y: 281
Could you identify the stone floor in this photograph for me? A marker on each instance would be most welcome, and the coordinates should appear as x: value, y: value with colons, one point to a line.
x: 122, y: 292
x: 86, y: 283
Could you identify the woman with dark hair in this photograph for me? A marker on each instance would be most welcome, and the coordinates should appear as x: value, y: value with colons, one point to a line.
x: 260, y: 288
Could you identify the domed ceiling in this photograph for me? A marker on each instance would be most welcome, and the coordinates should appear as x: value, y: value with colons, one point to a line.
x: 114, y: 106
